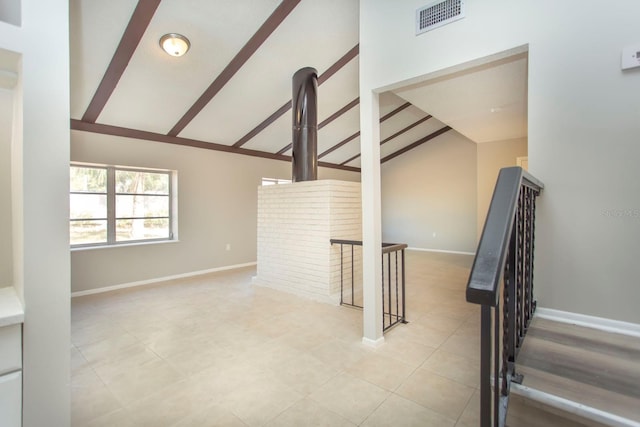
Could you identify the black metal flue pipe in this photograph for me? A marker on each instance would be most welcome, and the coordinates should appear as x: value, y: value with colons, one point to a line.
x: 304, y: 100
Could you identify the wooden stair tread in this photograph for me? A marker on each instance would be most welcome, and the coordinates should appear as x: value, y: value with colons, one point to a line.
x: 590, y: 367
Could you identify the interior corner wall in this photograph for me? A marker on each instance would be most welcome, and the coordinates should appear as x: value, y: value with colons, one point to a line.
x: 217, y: 205
x: 429, y: 195
x: 6, y: 245
x: 583, y: 127
x: 40, y: 205
x: 493, y: 156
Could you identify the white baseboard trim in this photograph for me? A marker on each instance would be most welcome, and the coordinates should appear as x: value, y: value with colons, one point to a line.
x: 159, y: 279
x: 373, y: 343
x: 440, y: 250
x: 571, y: 407
x: 601, y: 323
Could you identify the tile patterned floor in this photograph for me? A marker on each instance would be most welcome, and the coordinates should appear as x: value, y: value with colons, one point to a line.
x: 215, y: 350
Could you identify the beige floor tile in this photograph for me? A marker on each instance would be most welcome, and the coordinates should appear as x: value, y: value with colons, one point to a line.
x: 304, y: 373
x: 170, y: 404
x: 191, y: 363
x: 129, y: 359
x: 404, y: 349
x: 139, y: 383
x: 212, y: 416
x: 439, y: 322
x: 457, y: 368
x: 440, y: 394
x: 90, y: 399
x: 422, y: 334
x: 463, y: 345
x: 400, y: 412
x: 120, y: 418
x: 339, y: 354
x: 261, y: 400
x: 304, y: 339
x: 350, y: 397
x: 380, y: 370
x: 471, y: 415
x: 108, y: 348
x: 308, y: 413
x: 78, y: 361
x: 254, y: 358
x: 270, y: 354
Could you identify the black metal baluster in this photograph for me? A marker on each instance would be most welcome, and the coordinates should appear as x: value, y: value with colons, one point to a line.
x: 519, y: 312
x: 389, y: 286
x: 352, y: 277
x: 397, y: 315
x: 341, y: 274
x: 404, y: 320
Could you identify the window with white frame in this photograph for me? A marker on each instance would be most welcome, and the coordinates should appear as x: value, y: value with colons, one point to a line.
x: 274, y: 181
x: 113, y: 205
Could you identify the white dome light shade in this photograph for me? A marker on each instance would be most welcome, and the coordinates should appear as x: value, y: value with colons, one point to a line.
x: 175, y: 44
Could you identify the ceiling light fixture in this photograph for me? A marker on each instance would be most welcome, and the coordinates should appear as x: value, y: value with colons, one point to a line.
x: 175, y: 44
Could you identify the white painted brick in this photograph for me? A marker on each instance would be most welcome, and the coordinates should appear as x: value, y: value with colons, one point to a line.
x: 295, y: 224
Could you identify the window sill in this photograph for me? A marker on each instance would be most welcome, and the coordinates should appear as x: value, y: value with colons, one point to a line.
x: 122, y: 245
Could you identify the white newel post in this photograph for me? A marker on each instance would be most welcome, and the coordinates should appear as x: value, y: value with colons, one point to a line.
x: 371, y: 217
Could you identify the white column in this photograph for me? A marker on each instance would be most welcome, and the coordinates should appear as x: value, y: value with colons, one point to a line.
x: 40, y: 207
x: 371, y: 216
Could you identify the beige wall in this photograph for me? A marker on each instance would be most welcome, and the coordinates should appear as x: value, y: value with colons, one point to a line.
x: 583, y: 127
x: 429, y: 195
x: 217, y: 205
x: 493, y: 156
x: 6, y: 251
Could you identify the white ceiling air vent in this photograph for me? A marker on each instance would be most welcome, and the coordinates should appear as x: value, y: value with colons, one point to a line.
x: 438, y: 14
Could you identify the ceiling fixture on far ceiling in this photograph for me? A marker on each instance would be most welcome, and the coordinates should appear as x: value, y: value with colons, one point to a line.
x: 175, y: 44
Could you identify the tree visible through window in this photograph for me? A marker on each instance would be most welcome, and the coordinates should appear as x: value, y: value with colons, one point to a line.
x: 112, y: 205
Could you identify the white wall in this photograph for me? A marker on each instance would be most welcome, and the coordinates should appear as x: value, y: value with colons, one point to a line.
x: 6, y: 251
x: 429, y: 195
x: 40, y: 205
x: 493, y: 156
x: 583, y: 121
x: 217, y: 204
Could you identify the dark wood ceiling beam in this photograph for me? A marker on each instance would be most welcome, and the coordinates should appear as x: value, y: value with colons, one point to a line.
x: 337, y: 66
x: 350, y: 159
x: 267, y: 28
x: 168, y: 139
x: 394, y: 112
x: 408, y: 128
x: 395, y: 135
x: 138, y: 24
x: 357, y: 134
x: 327, y: 120
x: 344, y: 60
x: 339, y: 144
x: 272, y: 118
x: 416, y: 144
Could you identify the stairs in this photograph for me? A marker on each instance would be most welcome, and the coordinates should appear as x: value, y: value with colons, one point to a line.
x: 576, y: 376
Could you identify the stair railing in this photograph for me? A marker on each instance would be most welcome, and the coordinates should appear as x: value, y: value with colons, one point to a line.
x: 502, y: 275
x: 393, y: 279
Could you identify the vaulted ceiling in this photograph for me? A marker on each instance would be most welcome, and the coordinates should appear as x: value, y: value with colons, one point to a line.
x: 232, y: 90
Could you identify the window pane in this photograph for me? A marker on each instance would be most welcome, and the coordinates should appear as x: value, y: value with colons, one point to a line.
x: 90, y: 180
x: 141, y: 206
x: 87, y: 232
x: 141, y: 182
x: 88, y: 206
x: 139, y: 229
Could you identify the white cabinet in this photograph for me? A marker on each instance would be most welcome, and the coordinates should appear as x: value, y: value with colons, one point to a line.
x: 11, y: 399
x: 11, y: 318
x: 10, y: 348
